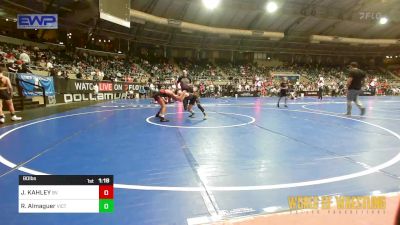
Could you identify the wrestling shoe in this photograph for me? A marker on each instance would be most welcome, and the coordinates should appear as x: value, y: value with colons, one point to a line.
x: 16, y: 118
x: 164, y: 120
x: 362, y: 112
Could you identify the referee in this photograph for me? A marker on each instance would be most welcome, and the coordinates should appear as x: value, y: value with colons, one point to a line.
x: 283, y: 92
x: 320, y: 84
x: 184, y: 82
x: 354, y: 84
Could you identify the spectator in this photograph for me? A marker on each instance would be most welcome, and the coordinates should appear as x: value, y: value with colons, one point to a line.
x: 49, y: 65
x: 23, y: 68
x: 25, y: 57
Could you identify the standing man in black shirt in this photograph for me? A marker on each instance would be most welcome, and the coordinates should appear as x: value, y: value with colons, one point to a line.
x: 320, y: 84
x: 184, y: 82
x: 354, y: 84
x: 283, y: 92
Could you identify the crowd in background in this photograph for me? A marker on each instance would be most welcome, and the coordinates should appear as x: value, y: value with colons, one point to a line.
x: 211, y: 79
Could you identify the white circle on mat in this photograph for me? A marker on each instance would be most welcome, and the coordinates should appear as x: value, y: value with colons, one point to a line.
x: 251, y: 120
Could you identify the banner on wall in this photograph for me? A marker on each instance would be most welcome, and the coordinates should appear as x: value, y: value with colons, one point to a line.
x: 366, y: 93
x: 66, y: 98
x: 83, y: 90
x: 33, y: 83
x: 86, y: 86
x: 247, y: 94
x: 310, y: 93
x: 293, y: 77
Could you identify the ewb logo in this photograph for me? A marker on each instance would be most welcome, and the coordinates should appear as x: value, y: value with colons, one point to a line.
x: 37, y: 21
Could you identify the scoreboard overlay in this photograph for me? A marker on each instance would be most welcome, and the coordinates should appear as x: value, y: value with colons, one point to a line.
x: 66, y: 194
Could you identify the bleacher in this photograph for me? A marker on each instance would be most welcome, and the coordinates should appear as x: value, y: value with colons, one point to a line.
x: 85, y: 64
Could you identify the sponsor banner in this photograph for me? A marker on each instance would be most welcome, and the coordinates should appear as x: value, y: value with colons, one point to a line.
x: 31, y: 90
x: 248, y: 94
x: 366, y: 93
x: 290, y: 76
x: 64, y: 86
x: 310, y: 93
x: 315, y: 93
x: 37, y: 21
x: 79, y: 97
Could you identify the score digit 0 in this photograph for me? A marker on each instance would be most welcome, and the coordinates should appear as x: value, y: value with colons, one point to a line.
x: 106, y: 192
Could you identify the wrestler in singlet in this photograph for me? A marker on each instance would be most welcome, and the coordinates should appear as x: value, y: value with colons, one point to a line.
x: 4, y: 94
x: 159, y: 95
